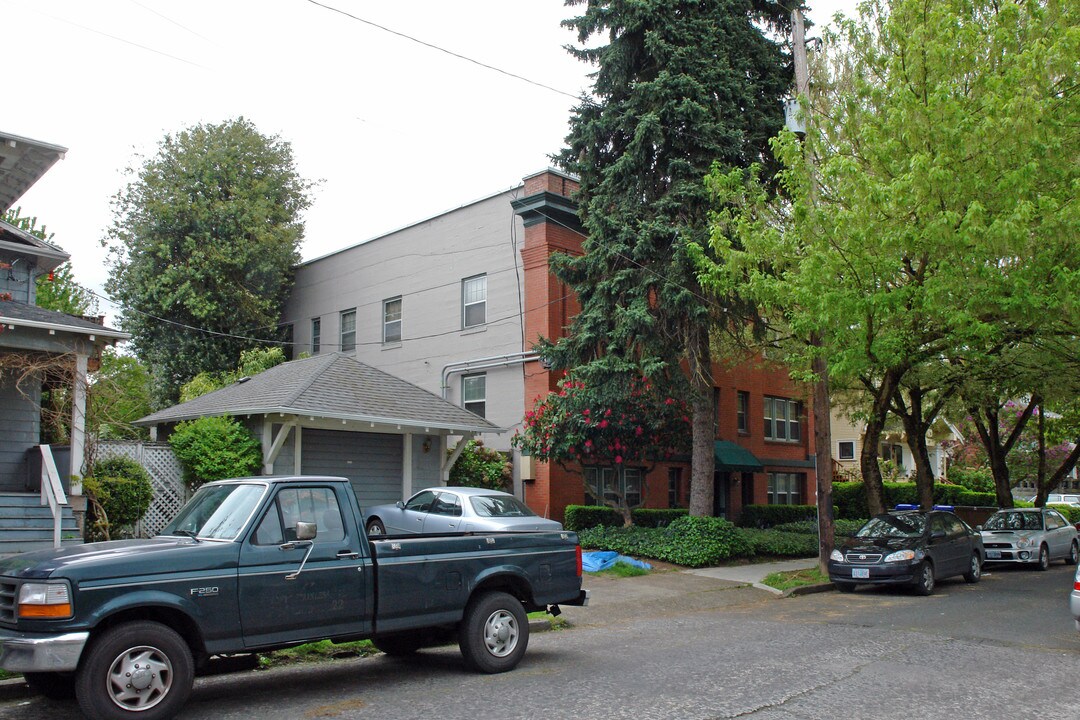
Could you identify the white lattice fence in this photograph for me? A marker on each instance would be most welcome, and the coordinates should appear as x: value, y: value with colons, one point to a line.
x: 165, y: 475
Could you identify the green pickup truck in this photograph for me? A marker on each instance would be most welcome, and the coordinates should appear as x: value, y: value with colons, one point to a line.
x: 256, y: 564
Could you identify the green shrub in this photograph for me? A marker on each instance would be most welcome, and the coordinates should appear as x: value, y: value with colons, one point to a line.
x: 781, y: 544
x: 841, y: 528
x: 974, y: 479
x: 583, y: 517
x: 766, y: 516
x: 120, y: 492
x: 215, y: 448
x: 687, y: 541
x: 657, y: 517
x: 1071, y: 512
x: 850, y: 497
x: 482, y: 467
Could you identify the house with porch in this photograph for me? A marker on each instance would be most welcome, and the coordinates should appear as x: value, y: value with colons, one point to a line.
x: 39, y: 349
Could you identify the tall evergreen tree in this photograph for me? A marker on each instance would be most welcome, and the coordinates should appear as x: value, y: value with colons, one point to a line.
x: 679, y: 85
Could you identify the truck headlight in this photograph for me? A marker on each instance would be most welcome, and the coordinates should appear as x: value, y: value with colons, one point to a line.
x: 44, y: 600
x: 900, y: 556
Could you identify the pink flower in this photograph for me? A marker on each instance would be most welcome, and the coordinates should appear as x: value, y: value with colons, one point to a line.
x: 618, y: 459
x: 603, y: 424
x: 639, y: 431
x: 585, y: 412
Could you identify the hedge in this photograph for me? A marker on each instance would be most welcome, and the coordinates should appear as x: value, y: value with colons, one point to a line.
x: 767, y: 516
x: 687, y: 541
x: 1071, y: 512
x: 123, y: 490
x: 841, y: 528
x: 583, y: 517
x: 850, y: 497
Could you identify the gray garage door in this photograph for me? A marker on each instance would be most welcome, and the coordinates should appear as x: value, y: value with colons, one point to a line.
x: 371, y: 461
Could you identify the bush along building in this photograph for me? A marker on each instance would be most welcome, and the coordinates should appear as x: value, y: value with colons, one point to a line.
x: 454, y: 304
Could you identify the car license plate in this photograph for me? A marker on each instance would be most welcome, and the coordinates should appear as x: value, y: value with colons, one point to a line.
x: 993, y: 554
x: 860, y: 573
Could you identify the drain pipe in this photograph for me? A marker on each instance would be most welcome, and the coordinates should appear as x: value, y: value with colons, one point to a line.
x: 485, y: 363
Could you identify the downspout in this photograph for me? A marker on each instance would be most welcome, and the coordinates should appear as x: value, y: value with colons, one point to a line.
x: 485, y: 363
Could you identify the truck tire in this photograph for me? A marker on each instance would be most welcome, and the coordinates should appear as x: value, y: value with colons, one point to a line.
x: 53, y: 685
x: 494, y: 633
x: 136, y: 670
x: 399, y: 645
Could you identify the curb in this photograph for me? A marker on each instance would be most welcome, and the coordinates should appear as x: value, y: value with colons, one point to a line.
x: 14, y: 689
x: 809, y: 589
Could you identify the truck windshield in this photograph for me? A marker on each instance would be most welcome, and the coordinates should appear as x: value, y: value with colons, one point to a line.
x: 217, y: 512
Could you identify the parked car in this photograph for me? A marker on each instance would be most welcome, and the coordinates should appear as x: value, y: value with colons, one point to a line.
x: 1074, y: 599
x: 909, y: 547
x: 1035, y: 536
x: 456, y: 509
x: 1059, y: 499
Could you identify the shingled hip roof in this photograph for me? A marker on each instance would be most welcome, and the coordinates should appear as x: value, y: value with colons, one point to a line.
x: 329, y: 386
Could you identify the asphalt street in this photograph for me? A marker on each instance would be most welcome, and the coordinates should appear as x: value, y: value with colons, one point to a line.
x: 676, y: 645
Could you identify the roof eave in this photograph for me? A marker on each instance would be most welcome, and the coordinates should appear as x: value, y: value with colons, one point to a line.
x: 347, y: 417
x: 103, y: 332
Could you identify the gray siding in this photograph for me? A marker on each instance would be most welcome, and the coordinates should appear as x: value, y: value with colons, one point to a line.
x: 425, y: 465
x: 20, y: 421
x: 371, y: 462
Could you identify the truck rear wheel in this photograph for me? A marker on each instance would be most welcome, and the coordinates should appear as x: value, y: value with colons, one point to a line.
x: 136, y: 670
x: 494, y: 634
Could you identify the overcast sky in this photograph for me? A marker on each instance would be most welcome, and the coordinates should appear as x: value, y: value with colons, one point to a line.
x: 394, y: 131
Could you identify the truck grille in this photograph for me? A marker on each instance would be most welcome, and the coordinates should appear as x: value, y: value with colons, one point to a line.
x: 8, y: 589
x: 863, y: 558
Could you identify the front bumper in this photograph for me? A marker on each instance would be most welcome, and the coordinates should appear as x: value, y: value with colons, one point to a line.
x: 26, y: 652
x: 902, y: 573
x: 1012, y: 555
x: 1074, y: 607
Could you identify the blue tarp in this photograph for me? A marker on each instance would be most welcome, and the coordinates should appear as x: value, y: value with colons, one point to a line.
x: 603, y: 559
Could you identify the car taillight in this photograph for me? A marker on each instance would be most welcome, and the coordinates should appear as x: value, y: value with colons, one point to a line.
x: 1076, y: 584
x: 579, y: 561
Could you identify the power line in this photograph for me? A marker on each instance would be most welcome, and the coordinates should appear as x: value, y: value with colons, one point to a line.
x: 448, y: 52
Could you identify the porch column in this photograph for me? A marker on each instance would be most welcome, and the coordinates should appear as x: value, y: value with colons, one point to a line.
x: 78, y: 424
x: 406, y: 466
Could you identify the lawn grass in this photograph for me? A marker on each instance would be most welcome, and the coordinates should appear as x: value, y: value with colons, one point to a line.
x: 795, y: 578
x: 316, y: 652
x: 621, y: 569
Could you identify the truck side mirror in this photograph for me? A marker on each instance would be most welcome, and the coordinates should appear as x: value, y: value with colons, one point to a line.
x: 306, y: 530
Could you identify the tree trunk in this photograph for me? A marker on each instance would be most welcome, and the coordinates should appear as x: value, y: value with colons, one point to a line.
x: 916, y: 427
x: 703, y: 431
x: 987, y: 423
x: 875, y: 425
x: 823, y: 458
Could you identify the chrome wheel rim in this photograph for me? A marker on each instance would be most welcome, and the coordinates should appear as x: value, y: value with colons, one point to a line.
x: 501, y: 633
x: 976, y: 568
x: 928, y: 578
x: 139, y: 678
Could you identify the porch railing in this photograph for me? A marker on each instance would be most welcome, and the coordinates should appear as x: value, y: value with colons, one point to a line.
x: 52, y: 492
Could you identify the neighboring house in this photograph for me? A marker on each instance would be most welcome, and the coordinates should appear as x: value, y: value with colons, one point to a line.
x: 333, y: 415
x: 34, y: 336
x: 454, y: 304
x: 847, y: 439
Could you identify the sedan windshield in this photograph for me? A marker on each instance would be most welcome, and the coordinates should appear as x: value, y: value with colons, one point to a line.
x: 499, y: 506
x: 1014, y: 521
x: 905, y: 526
x: 217, y: 512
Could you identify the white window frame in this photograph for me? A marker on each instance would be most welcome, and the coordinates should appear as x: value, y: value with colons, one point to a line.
x: 391, y: 323
x: 473, y: 295
x: 781, y: 419
x: 350, y: 344
x: 785, y: 488
x: 469, y: 385
x: 627, y: 481
x: 316, y: 335
x: 840, y: 450
x: 742, y: 412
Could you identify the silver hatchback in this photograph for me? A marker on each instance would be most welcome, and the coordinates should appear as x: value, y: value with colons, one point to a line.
x: 1030, y: 535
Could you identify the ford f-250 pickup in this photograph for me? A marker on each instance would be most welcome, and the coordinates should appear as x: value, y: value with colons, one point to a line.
x: 254, y: 564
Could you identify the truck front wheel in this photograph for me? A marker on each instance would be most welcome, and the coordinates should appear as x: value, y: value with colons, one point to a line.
x: 136, y: 670
x: 494, y: 633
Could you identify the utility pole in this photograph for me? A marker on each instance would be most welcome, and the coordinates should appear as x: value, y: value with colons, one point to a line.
x: 823, y: 465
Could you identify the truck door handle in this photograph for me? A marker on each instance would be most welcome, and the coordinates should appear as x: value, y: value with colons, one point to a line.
x: 348, y: 555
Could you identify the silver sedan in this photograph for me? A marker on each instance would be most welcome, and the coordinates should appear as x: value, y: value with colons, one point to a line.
x: 455, y: 509
x: 1030, y: 535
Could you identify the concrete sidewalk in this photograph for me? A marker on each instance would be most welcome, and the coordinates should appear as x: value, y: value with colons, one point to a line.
x: 754, y: 574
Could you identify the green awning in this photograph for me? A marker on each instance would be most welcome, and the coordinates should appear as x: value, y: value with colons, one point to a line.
x: 733, y: 457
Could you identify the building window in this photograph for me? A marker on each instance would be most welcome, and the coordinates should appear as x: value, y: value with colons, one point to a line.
x: 316, y: 335
x: 474, y: 393
x: 784, y: 488
x: 391, y: 320
x: 893, y: 453
x: 348, y: 330
x: 782, y: 420
x: 716, y: 411
x: 674, y: 487
x: 845, y: 450
x: 742, y: 412
x: 474, y: 301
x: 611, y: 484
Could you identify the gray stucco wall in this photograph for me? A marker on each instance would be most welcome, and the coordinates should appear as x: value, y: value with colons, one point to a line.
x: 20, y: 421
x: 424, y: 264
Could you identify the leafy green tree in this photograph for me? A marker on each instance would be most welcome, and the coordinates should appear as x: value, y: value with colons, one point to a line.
x: 252, y: 362
x: 119, y: 395
x: 481, y: 466
x: 932, y: 215
x: 678, y: 85
x: 57, y: 290
x: 203, y: 242
x: 622, y: 424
